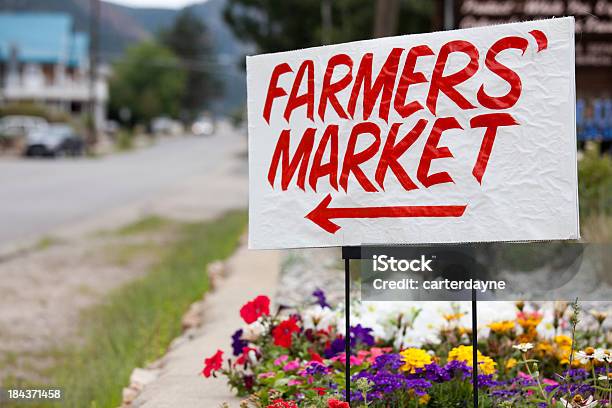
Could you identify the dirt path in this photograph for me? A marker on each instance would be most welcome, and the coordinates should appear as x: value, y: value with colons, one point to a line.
x: 43, y: 292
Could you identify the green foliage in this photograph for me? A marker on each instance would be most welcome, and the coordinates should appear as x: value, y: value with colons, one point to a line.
x: 149, y: 81
x: 144, y: 225
x: 595, y: 183
x: 33, y: 109
x: 196, y: 56
x: 125, y: 140
x: 138, y: 321
x: 279, y: 25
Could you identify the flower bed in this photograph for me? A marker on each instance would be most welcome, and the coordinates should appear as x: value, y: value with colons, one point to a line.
x: 294, y: 357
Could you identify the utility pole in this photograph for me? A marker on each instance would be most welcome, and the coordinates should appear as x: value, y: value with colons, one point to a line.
x: 326, y: 20
x: 94, y: 26
x: 386, y: 18
x: 449, y: 14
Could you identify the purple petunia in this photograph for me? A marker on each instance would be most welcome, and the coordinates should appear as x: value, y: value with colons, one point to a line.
x: 237, y: 343
x: 336, y: 347
x: 389, y: 361
x: 434, y: 373
x: 360, y: 334
x: 458, y: 369
x: 316, y: 368
x: 385, y: 382
x: 321, y: 299
x: 487, y: 381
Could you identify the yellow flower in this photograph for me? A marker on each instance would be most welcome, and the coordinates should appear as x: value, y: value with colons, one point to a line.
x: 424, y: 399
x: 502, y: 327
x: 527, y: 336
x: 511, y: 363
x: 464, y: 330
x: 486, y: 365
x: 563, y: 340
x: 544, y: 348
x: 453, y: 316
x: 529, y: 320
x: 414, y: 358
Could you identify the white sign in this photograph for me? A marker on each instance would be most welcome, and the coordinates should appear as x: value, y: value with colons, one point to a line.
x: 455, y: 136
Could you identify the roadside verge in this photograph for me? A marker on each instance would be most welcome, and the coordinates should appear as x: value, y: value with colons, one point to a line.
x: 178, y: 381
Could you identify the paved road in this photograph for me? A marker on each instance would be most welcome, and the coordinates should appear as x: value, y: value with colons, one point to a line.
x: 38, y: 196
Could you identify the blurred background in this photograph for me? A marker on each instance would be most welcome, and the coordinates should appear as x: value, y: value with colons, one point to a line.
x: 123, y: 158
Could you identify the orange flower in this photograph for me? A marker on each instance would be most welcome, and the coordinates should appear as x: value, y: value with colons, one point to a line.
x: 529, y: 320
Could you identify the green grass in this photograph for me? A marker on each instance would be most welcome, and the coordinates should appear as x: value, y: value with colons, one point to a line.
x: 122, y: 255
x: 124, y: 141
x: 138, y: 321
x: 147, y: 224
x: 46, y: 242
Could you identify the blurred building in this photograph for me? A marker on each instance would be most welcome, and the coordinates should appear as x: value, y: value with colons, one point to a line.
x: 44, y: 60
x: 593, y: 47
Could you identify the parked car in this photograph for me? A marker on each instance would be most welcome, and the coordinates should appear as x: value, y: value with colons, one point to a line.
x: 204, y: 126
x: 166, y: 126
x: 111, y: 127
x: 54, y: 140
x: 17, y: 127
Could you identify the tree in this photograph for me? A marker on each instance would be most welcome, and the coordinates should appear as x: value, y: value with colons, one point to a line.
x: 188, y: 39
x: 148, y: 81
x: 281, y: 25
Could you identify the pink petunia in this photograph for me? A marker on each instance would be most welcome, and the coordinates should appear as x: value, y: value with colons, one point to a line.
x: 548, y: 381
x: 292, y: 365
x: 281, y: 360
x: 342, y: 358
x: 267, y: 375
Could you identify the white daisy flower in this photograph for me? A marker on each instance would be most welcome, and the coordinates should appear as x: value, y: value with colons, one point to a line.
x: 253, y: 331
x: 318, y: 318
x: 579, y: 402
x: 523, y: 347
x: 607, y: 377
x: 586, y: 355
x: 600, y: 355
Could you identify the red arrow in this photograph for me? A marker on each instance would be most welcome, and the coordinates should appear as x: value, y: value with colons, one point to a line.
x: 322, y: 214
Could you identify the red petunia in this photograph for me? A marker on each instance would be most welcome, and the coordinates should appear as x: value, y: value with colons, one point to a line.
x: 315, y: 356
x: 254, y: 309
x: 334, y: 403
x: 320, y: 390
x: 281, y: 403
x: 212, y: 364
x: 284, y: 331
x: 244, y: 357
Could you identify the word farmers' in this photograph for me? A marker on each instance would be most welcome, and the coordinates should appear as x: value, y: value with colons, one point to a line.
x: 361, y: 83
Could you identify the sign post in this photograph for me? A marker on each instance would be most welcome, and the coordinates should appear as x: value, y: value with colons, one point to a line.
x: 448, y: 137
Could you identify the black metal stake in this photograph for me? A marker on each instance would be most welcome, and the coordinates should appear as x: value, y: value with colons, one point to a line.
x: 475, y: 348
x: 347, y: 327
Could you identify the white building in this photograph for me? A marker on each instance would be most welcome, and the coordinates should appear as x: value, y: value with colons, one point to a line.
x: 44, y: 60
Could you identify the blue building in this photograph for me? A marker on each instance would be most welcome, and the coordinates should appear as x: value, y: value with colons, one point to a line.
x: 44, y: 60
